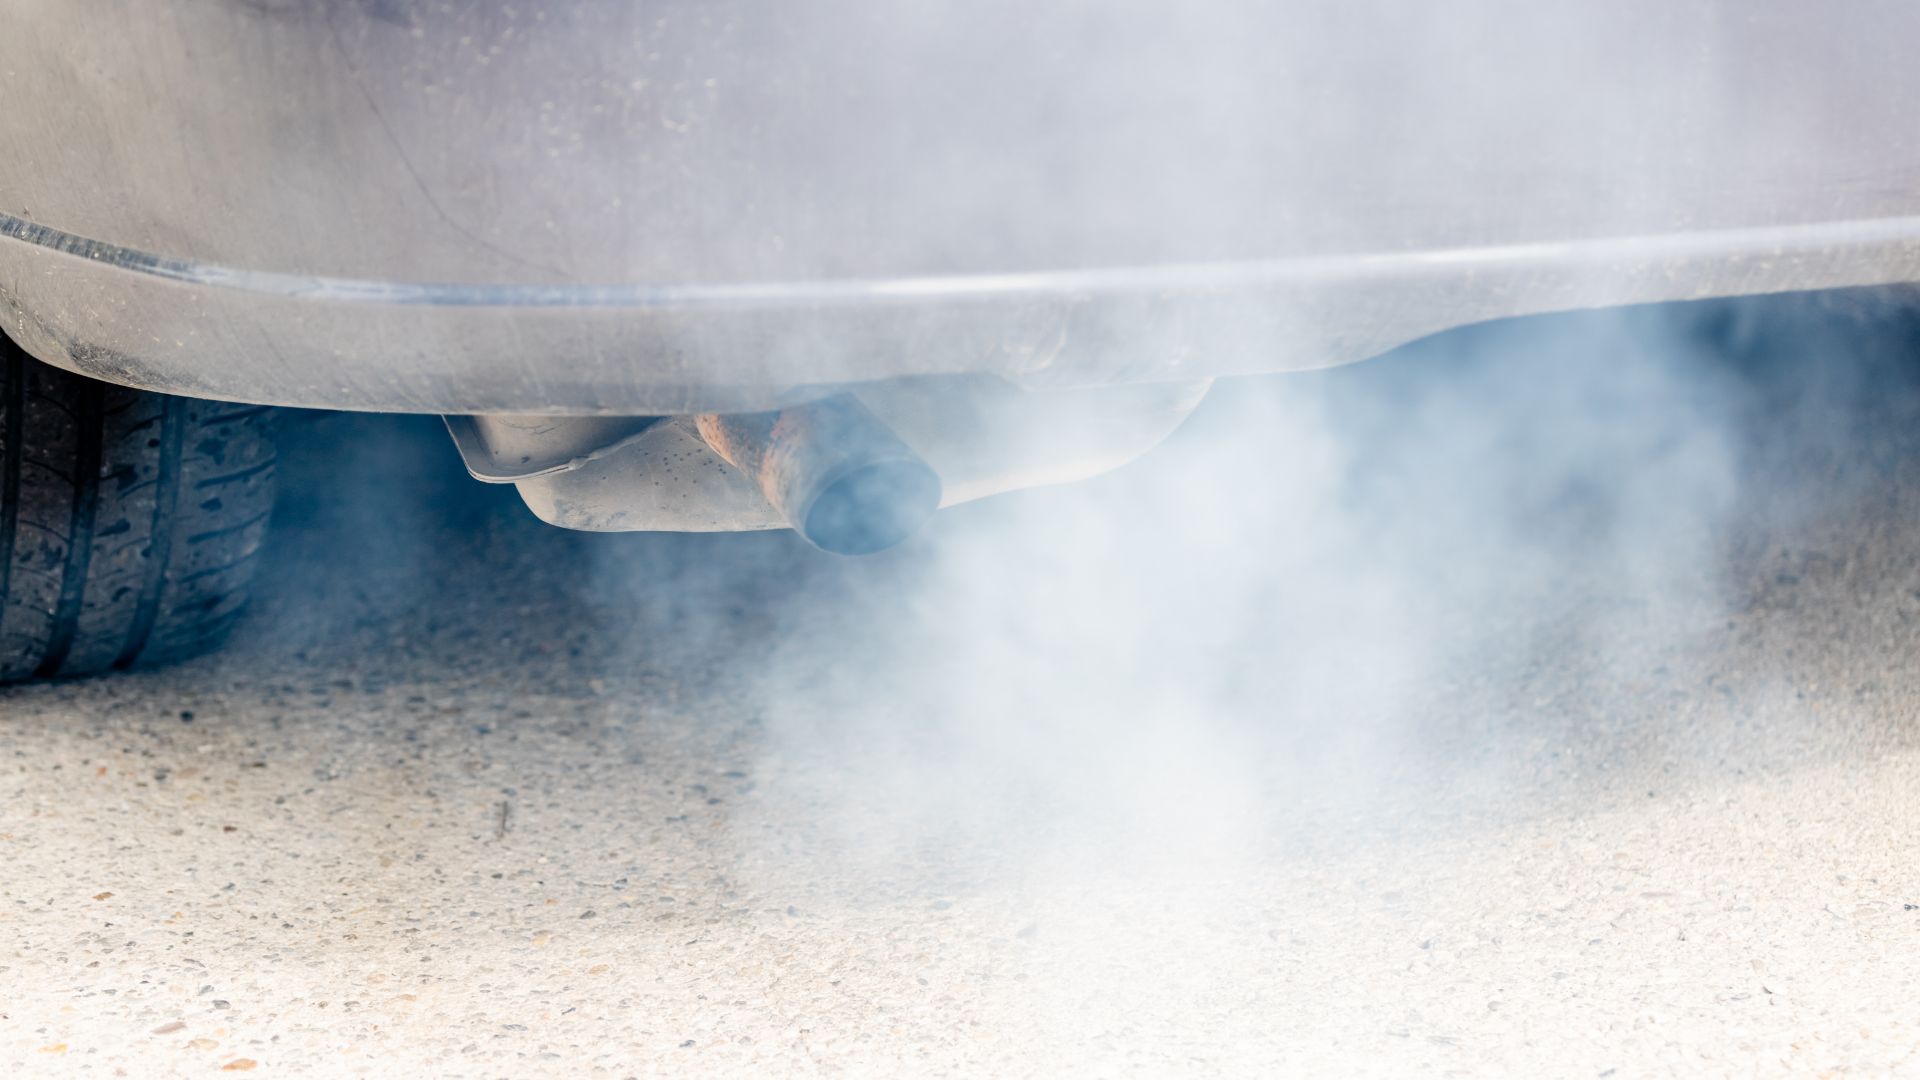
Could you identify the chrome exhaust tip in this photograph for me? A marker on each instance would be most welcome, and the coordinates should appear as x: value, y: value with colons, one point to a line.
x: 839, y: 476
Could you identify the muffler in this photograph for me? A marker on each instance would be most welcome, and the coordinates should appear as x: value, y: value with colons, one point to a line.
x: 839, y: 476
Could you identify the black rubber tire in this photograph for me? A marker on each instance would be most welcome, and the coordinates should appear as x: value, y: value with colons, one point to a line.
x: 130, y: 521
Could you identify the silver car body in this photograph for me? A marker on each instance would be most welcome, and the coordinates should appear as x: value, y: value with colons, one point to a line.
x: 674, y: 207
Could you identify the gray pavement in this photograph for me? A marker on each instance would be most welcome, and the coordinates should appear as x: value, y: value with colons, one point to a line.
x: 1537, y: 702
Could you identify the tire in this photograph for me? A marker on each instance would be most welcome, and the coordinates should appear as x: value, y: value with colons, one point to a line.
x: 129, y: 521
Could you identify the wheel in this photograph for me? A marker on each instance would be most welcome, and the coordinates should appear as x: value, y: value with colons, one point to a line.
x: 129, y: 521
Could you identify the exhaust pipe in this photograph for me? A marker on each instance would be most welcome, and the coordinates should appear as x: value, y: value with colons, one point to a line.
x: 840, y: 477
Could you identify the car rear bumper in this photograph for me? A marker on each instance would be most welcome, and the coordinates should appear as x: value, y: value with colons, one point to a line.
x: 623, y: 350
x: 681, y: 207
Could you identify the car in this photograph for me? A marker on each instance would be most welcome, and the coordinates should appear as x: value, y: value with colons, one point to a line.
x: 733, y: 264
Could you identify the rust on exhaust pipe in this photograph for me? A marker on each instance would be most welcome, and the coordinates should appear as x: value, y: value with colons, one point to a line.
x: 840, y: 477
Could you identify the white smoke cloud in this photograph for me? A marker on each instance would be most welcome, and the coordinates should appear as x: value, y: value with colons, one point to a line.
x: 1250, y: 628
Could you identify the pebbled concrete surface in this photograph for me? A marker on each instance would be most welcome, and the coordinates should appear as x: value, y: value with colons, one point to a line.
x: 1058, y: 790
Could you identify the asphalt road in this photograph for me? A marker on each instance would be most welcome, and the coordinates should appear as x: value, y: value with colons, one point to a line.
x: 1539, y: 702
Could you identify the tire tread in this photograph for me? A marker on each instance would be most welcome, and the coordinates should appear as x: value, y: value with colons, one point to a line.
x: 110, y: 555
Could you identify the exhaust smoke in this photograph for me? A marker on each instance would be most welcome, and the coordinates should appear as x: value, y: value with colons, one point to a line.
x: 1295, y: 612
